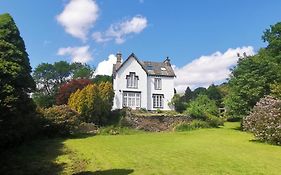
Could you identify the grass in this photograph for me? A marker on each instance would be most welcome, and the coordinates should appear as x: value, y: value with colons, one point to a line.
x: 223, y: 150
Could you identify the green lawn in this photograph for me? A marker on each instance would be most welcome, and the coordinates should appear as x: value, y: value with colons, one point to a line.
x: 207, y: 151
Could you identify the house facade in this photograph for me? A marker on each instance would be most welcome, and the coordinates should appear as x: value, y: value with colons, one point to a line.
x: 142, y: 84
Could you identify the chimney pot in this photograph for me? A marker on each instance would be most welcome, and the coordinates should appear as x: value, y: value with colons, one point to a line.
x: 119, y: 57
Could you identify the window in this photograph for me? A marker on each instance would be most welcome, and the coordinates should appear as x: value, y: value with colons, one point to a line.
x: 158, y: 100
x: 132, y: 80
x: 131, y: 99
x: 157, y: 83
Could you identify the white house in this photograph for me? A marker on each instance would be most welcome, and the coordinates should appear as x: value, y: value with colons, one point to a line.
x: 142, y: 84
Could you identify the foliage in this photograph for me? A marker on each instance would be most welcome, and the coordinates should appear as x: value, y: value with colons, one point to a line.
x: 94, y: 102
x: 214, y: 121
x: 195, y: 124
x: 265, y: 120
x: 43, y: 100
x: 188, y: 95
x: 66, y: 89
x: 17, y: 109
x: 106, y: 94
x: 276, y: 90
x: 102, y: 78
x: 49, y: 77
x: 60, y: 120
x: 199, y: 91
x: 83, y: 71
x: 215, y: 94
x: 252, y: 77
x: 178, y: 103
x: 202, y: 106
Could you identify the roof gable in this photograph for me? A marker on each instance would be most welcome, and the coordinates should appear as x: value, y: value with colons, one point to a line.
x: 151, y: 68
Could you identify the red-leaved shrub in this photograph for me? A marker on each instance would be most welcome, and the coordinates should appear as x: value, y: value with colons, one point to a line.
x: 265, y: 120
x: 70, y: 87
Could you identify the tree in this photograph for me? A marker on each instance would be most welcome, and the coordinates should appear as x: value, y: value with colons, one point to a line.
x: 199, y: 91
x: 87, y: 102
x: 44, y: 75
x: 62, y: 71
x: 15, y: 85
x: 273, y: 37
x: 102, y: 78
x: 66, y: 89
x: 80, y: 70
x: 214, y: 93
x: 106, y: 94
x: 188, y: 95
x: 94, y: 102
x: 252, y: 77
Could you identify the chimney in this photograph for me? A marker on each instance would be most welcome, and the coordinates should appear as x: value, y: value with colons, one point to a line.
x: 167, y: 61
x: 119, y: 58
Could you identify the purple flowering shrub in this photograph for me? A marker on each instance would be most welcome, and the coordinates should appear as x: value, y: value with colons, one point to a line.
x: 265, y: 120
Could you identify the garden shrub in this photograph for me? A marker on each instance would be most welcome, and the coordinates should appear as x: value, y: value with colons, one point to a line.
x: 60, y: 120
x: 214, y: 121
x: 195, y: 124
x: 94, y: 102
x: 201, y: 106
x: 265, y: 120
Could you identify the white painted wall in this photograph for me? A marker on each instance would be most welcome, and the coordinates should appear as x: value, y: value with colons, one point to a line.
x: 145, y: 86
x: 120, y: 83
x: 167, y: 90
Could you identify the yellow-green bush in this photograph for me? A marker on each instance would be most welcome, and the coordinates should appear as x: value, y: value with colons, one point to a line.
x: 94, y: 102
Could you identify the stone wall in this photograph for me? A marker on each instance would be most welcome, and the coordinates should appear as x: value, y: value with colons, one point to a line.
x: 153, y: 122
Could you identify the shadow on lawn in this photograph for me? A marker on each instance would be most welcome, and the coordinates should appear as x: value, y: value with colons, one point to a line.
x: 36, y: 157
x: 108, y: 172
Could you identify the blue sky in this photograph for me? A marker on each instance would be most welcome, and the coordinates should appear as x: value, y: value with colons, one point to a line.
x: 192, y: 33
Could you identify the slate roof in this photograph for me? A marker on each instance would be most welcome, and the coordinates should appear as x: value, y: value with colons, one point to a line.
x: 151, y: 68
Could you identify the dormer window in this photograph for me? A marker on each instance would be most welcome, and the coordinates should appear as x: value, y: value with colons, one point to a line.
x: 132, y: 80
x: 157, y: 84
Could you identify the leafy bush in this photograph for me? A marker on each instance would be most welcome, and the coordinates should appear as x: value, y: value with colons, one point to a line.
x: 214, y: 121
x: 276, y: 90
x: 43, y: 100
x: 265, y: 120
x: 201, y: 106
x: 195, y: 124
x: 94, y: 102
x: 178, y: 103
x: 59, y: 120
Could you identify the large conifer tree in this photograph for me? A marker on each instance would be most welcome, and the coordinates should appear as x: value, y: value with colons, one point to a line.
x: 15, y: 83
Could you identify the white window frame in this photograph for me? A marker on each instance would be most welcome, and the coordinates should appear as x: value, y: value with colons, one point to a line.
x: 132, y: 80
x: 132, y: 99
x: 158, y: 100
x: 157, y: 83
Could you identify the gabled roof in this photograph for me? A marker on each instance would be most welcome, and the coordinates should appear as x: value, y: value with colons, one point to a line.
x: 151, y: 68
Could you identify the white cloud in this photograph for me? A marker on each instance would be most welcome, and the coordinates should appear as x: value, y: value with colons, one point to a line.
x: 78, y: 54
x: 209, y: 69
x: 119, y: 31
x: 78, y: 17
x: 105, y: 66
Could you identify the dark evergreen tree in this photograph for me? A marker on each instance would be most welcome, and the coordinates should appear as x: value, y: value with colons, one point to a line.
x: 15, y: 84
x: 187, y: 95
